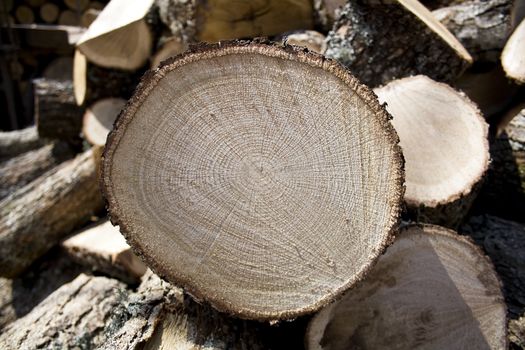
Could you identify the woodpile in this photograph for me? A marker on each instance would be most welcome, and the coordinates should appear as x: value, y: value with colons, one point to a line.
x: 212, y: 174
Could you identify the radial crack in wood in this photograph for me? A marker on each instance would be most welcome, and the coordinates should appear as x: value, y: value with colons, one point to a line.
x: 383, y: 40
x: 513, y: 55
x: 263, y: 179
x: 432, y: 289
x: 445, y: 144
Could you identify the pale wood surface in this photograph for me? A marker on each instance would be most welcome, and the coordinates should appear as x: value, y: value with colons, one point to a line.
x: 99, y: 118
x: 513, y: 55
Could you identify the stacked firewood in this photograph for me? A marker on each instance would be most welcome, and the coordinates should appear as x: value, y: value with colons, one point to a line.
x: 354, y: 179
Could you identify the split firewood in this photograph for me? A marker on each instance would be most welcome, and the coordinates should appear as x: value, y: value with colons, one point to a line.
x: 49, y: 12
x: 383, y: 40
x: 19, y: 171
x: 432, y: 289
x: 215, y: 20
x: 92, y: 83
x: 99, y: 118
x: 327, y: 11
x: 76, y: 316
x: 159, y: 317
x: 443, y: 170
x: 13, y: 143
x: 481, y: 26
x: 24, y: 15
x: 513, y: 56
x: 119, y: 37
x: 504, y: 242
x: 312, y: 40
x: 40, y: 214
x: 504, y: 191
x: 103, y: 248
x: 246, y: 199
x: 60, y: 69
x: 169, y: 47
x: 56, y: 112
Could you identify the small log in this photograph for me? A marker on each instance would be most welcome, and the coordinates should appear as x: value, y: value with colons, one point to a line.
x: 92, y: 83
x: 56, y: 112
x: 89, y: 16
x: 312, y: 40
x: 120, y: 36
x: 68, y: 18
x: 40, y: 214
x: 169, y: 47
x: 445, y: 143
x: 513, y: 55
x: 504, y: 242
x: 432, y: 289
x: 13, y: 143
x: 215, y: 20
x: 49, y: 12
x: 225, y: 205
x: 77, y: 5
x: 103, y: 248
x: 19, y: 171
x: 60, y: 69
x: 74, y: 317
x: 481, y: 26
x: 383, y: 40
x: 24, y: 15
x: 99, y: 118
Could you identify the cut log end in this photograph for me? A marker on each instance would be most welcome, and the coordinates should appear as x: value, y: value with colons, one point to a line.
x: 228, y: 183
x: 432, y: 289
x: 513, y: 56
x: 99, y: 118
x: 445, y: 143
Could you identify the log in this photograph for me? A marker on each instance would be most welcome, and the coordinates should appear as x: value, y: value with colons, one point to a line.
x: 60, y: 69
x: 214, y: 20
x: 445, y: 143
x: 383, y: 40
x: 513, y: 55
x: 247, y: 199
x: 119, y: 37
x: 103, y: 248
x: 56, y: 112
x: 159, y: 316
x: 433, y: 289
x: 481, y: 26
x: 326, y: 12
x: 49, y: 12
x: 38, y: 215
x: 99, y: 118
x: 169, y: 47
x: 72, y: 317
x: 77, y: 5
x: 13, y: 143
x: 19, y: 171
x: 312, y: 40
x: 92, y: 82
x: 68, y: 18
x: 24, y: 15
x: 504, y: 192
x: 504, y: 242
x: 89, y: 16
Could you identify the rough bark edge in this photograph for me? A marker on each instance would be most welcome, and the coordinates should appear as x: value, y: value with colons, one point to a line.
x: 436, y: 230
x: 269, y: 49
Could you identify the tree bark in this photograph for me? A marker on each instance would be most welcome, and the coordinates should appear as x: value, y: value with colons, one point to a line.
x: 481, y: 26
x: 19, y: 171
x: 37, y: 216
x: 76, y: 316
x: 56, y: 113
x: 13, y: 143
x: 383, y: 41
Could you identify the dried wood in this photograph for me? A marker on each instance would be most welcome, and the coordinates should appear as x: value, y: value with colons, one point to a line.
x: 481, y: 26
x: 49, y: 12
x: 68, y: 18
x: 56, y: 113
x: 432, y: 289
x: 99, y: 118
x: 13, y: 143
x: 24, y: 15
x: 169, y: 47
x: 513, y: 55
x: 215, y: 20
x: 196, y: 172
x: 383, y: 40
x: 327, y: 11
x: 38, y: 215
x: 312, y: 40
x: 445, y: 144
x: 19, y: 171
x: 103, y: 248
